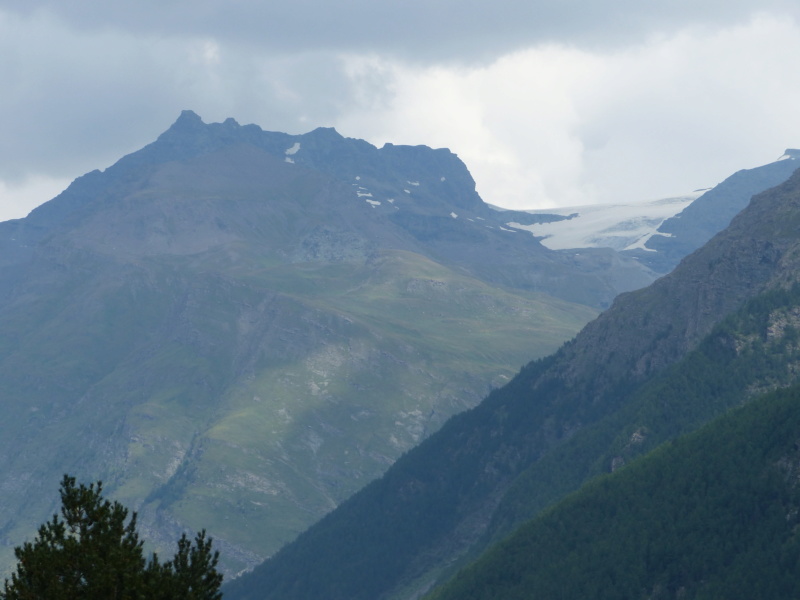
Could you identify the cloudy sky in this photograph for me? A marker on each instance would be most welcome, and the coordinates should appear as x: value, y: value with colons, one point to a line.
x: 549, y: 102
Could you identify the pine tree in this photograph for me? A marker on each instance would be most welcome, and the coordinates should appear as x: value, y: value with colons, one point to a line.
x: 91, y: 552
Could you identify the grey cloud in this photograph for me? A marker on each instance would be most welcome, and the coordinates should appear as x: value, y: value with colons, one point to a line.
x: 421, y: 29
x: 74, y: 101
x: 85, y: 82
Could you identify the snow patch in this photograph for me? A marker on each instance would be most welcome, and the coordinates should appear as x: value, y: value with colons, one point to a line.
x: 374, y: 203
x: 364, y: 194
x: 407, y: 191
x: 390, y: 200
x: 442, y: 179
x: 640, y: 243
x: 293, y: 150
x: 414, y: 183
x: 617, y: 226
x: 454, y: 215
x: 289, y: 159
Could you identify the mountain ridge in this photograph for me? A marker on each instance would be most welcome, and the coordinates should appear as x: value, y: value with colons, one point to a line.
x: 237, y: 329
x: 706, y: 514
x: 427, y: 196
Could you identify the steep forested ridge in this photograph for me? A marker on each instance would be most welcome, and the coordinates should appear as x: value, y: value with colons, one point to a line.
x: 754, y: 350
x: 594, y: 404
x: 710, y: 515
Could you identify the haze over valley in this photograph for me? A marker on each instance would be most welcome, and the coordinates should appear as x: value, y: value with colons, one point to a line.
x: 399, y: 302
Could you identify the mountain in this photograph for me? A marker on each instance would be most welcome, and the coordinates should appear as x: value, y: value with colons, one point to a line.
x: 660, y: 362
x: 409, y: 198
x: 237, y: 329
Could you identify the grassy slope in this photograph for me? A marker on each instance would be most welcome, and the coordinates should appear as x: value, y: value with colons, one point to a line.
x: 408, y: 345
x: 251, y: 401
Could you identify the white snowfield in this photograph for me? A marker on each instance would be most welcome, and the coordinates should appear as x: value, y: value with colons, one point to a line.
x: 291, y: 152
x: 617, y: 226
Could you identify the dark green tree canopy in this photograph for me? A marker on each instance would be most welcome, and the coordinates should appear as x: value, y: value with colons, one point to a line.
x: 93, y: 551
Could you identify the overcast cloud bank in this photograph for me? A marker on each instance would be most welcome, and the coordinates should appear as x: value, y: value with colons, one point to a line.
x: 548, y: 103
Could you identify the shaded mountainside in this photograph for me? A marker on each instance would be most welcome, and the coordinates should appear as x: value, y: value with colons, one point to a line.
x: 751, y: 351
x: 235, y: 330
x: 561, y: 420
x: 711, y: 515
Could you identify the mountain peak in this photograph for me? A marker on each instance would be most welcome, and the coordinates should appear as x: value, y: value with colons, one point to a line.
x: 187, y: 118
x: 325, y: 133
x: 188, y: 123
x: 229, y: 123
